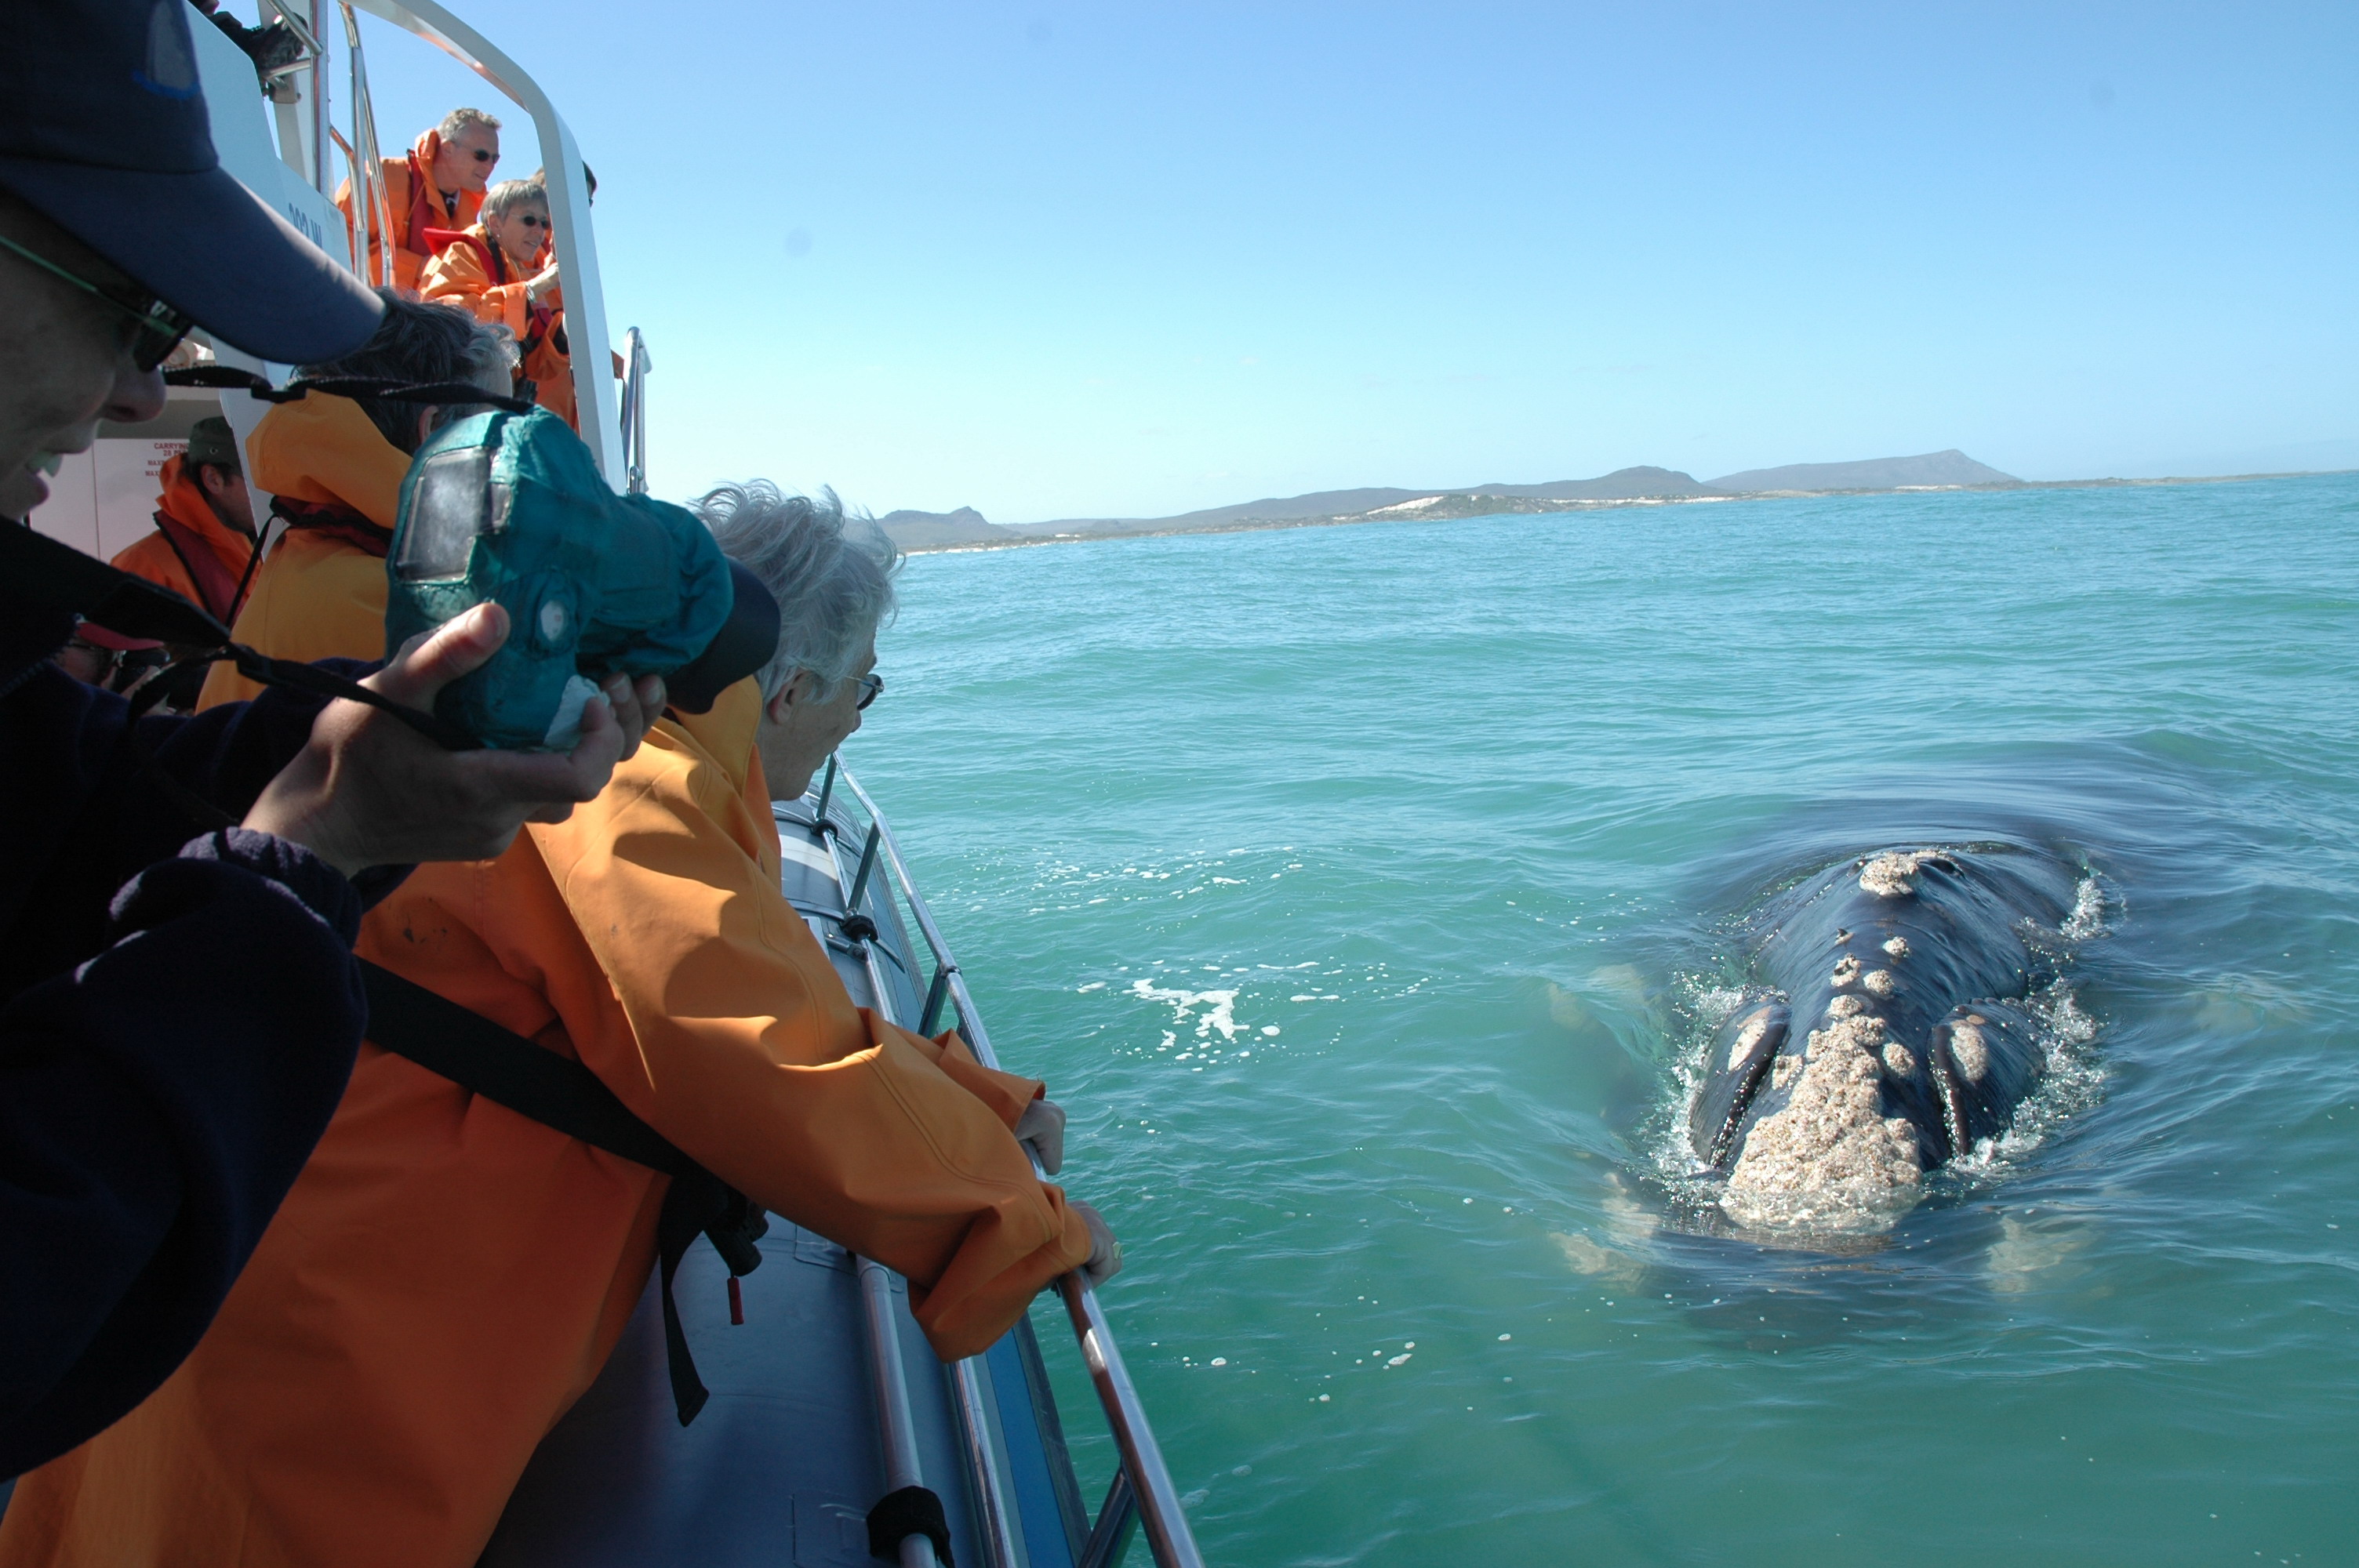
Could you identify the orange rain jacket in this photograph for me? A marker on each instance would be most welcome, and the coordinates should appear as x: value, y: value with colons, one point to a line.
x: 319, y: 594
x: 417, y: 206
x: 471, y: 272
x: 193, y: 551
x: 448, y: 1276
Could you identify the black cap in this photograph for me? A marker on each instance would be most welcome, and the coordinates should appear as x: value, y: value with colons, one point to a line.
x: 103, y: 128
x: 746, y: 641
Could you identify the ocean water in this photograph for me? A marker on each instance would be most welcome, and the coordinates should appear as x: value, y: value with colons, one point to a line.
x: 1361, y: 891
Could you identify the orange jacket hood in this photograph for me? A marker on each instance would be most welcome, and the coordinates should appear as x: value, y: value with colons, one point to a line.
x: 314, y: 596
x: 325, y: 451
x: 182, y: 499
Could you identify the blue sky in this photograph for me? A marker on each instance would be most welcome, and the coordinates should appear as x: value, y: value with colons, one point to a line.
x: 1131, y: 259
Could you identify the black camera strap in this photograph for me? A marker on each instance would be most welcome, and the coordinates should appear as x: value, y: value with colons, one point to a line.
x: 507, y: 1069
x: 230, y: 378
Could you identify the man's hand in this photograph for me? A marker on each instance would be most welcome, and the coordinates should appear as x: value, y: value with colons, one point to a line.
x: 371, y: 791
x: 1042, y: 1126
x: 1105, y: 1260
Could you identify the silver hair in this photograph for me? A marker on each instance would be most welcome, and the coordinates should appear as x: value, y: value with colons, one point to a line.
x: 458, y: 120
x: 419, y: 341
x: 831, y: 572
x: 510, y: 194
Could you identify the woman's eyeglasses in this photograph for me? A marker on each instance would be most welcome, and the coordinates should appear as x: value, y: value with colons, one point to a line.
x: 872, y: 686
x: 534, y: 220
x: 158, y: 328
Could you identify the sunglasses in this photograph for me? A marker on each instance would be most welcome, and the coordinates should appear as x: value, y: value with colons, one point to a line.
x: 534, y: 220
x: 871, y: 688
x: 482, y: 157
x: 158, y: 328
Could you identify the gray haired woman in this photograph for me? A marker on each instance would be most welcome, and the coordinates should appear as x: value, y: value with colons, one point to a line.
x: 832, y: 577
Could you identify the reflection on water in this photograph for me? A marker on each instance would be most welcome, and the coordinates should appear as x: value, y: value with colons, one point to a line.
x: 1361, y: 891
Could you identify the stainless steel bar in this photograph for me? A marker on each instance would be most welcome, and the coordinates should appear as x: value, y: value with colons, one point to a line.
x: 930, y: 1020
x: 826, y: 789
x: 983, y: 1461
x: 322, y: 118
x: 1158, y: 1500
x: 891, y: 1383
x: 353, y: 234
x: 636, y: 364
x: 1116, y: 1517
x: 372, y: 205
x: 860, y: 878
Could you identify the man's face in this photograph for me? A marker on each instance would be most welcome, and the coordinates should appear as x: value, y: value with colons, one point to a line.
x: 232, y: 503
x: 467, y: 159
x: 65, y: 358
x: 519, y: 231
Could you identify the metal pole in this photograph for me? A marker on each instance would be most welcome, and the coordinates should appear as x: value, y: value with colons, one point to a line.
x: 891, y: 1383
x: 982, y: 1458
x: 826, y: 788
x: 637, y: 364
x: 1117, y: 1516
x: 860, y: 878
x: 1159, y: 1501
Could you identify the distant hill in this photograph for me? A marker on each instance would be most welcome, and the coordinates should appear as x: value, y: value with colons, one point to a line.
x: 940, y: 530
x: 1952, y: 467
x: 968, y: 528
x: 1624, y: 484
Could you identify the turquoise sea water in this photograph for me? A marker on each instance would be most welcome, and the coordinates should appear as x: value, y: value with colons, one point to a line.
x: 1448, y: 823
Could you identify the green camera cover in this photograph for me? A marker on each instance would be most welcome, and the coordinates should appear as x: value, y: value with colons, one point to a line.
x: 511, y: 507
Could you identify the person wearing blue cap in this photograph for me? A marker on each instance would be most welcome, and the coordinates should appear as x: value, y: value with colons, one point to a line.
x: 177, y: 1014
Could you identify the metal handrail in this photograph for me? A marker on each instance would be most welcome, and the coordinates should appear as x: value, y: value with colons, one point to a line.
x: 372, y: 204
x: 1159, y: 1510
x: 308, y: 33
x: 637, y: 364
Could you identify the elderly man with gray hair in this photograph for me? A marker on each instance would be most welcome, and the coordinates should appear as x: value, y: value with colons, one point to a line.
x: 438, y: 184
x: 443, y: 1253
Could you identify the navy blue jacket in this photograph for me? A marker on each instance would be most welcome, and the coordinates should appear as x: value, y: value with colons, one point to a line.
x: 179, y: 1012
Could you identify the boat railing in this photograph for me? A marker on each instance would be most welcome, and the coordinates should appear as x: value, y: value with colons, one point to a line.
x: 637, y: 364
x: 372, y: 206
x: 1142, y: 1486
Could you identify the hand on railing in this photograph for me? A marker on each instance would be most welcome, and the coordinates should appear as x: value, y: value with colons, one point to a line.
x: 1105, y: 1260
x: 1042, y: 1127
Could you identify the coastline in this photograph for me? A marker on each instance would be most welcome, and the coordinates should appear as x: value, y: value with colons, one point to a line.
x: 1468, y: 505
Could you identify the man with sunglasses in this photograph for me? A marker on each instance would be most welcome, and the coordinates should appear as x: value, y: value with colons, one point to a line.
x: 438, y: 184
x: 179, y: 1008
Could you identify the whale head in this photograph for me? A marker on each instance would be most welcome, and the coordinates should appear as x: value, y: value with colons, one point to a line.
x: 1888, y: 1035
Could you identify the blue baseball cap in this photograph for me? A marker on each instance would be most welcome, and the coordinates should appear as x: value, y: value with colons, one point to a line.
x: 103, y: 128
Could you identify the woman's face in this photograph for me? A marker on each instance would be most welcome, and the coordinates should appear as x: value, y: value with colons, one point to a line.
x: 800, y: 731
x: 519, y: 231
